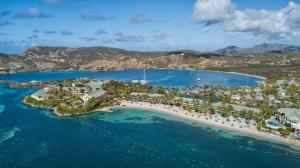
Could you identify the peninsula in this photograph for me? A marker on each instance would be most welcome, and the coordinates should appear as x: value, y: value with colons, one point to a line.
x: 271, y: 109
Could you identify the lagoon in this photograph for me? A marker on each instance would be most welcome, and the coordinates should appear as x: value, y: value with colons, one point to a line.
x: 167, y: 78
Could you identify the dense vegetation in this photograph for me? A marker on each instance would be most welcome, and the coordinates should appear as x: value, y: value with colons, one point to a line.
x: 208, y: 100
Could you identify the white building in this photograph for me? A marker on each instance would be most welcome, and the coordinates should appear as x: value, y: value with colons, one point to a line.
x: 95, y: 94
x: 40, y: 95
x: 236, y: 97
x: 292, y: 115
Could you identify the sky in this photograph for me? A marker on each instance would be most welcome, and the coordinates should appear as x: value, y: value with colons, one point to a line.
x: 147, y: 25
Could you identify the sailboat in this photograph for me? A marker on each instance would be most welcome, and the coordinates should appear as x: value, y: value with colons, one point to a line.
x: 198, y: 79
x: 144, y: 81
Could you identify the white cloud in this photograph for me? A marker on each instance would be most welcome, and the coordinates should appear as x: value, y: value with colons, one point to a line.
x: 282, y: 23
x: 212, y: 11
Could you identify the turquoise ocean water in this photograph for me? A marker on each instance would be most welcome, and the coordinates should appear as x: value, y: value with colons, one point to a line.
x: 34, y: 137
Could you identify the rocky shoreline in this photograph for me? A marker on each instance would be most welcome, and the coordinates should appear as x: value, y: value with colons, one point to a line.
x: 56, y: 112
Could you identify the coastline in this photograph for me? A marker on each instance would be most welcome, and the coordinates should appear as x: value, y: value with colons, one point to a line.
x: 106, y: 109
x: 230, y: 72
x: 237, y: 73
x: 217, y: 122
x: 221, y: 123
x: 45, y: 107
x: 244, y: 74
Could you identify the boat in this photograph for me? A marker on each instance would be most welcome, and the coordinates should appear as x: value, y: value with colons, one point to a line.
x: 143, y: 82
x: 135, y: 81
x: 198, y: 79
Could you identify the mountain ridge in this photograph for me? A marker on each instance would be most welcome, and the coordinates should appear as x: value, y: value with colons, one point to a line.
x: 260, y: 48
x: 45, y: 58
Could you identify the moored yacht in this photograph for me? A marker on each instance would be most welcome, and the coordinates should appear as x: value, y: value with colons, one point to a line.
x: 198, y: 79
x: 143, y: 81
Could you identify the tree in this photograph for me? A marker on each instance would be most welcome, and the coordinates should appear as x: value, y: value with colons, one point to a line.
x: 90, y: 104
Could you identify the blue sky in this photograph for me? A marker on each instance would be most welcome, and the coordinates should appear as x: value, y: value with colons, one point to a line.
x: 147, y: 25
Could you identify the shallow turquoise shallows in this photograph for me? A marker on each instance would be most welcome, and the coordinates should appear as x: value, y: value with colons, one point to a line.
x: 129, y: 138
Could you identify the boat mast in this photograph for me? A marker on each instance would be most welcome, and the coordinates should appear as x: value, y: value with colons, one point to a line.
x: 198, y: 79
x: 144, y: 75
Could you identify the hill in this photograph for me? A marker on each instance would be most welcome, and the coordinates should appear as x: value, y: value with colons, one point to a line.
x: 261, y: 48
x: 104, y: 58
x: 264, y: 59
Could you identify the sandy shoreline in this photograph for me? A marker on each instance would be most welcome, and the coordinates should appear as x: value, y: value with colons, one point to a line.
x: 216, y: 121
x: 244, y: 74
x: 219, y: 122
x: 237, y: 73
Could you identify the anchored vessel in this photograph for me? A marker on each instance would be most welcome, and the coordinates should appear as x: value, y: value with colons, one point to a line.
x: 143, y: 81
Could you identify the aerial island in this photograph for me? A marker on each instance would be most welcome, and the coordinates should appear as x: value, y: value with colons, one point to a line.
x: 270, y: 110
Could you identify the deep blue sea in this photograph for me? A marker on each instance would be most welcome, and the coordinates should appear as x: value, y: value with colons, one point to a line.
x: 129, y: 138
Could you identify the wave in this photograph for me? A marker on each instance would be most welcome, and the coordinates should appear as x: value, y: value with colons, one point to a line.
x: 6, y: 135
x: 2, y: 107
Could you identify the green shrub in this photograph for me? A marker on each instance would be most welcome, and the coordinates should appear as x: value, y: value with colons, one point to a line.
x: 284, y: 132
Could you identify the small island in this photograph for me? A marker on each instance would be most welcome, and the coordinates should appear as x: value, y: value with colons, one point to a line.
x: 270, y: 110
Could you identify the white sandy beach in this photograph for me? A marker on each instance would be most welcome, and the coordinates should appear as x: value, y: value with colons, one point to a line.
x: 216, y: 121
x: 237, y: 73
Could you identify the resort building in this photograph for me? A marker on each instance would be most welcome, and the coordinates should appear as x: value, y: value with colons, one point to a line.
x: 74, y: 90
x: 40, y: 95
x: 147, y: 97
x: 292, y: 116
x: 96, y: 90
x: 282, y: 93
x: 98, y: 93
x: 186, y: 101
x: 236, y: 97
x: 3, y: 68
x: 51, y: 88
x: 95, y: 85
x: 239, y: 107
